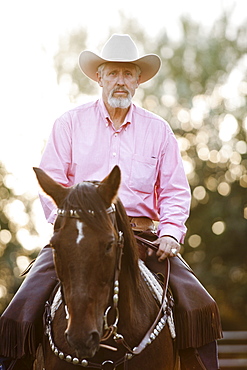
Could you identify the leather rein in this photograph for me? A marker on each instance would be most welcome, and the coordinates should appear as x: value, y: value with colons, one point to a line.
x: 111, y: 330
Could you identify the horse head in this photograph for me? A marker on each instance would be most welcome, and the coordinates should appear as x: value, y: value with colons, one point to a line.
x: 85, y: 252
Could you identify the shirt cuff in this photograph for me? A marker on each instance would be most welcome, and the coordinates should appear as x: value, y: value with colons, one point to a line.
x: 52, y: 216
x: 172, y: 231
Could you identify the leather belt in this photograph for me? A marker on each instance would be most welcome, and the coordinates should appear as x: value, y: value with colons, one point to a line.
x: 141, y: 224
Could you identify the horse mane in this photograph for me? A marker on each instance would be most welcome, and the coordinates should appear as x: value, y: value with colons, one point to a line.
x: 130, y: 256
x: 131, y: 269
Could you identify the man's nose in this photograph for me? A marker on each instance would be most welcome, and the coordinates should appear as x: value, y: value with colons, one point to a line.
x: 120, y: 80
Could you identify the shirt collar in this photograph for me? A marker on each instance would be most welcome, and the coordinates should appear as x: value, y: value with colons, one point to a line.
x: 128, y: 118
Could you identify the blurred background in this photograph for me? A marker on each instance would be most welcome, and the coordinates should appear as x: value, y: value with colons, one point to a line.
x: 201, y: 90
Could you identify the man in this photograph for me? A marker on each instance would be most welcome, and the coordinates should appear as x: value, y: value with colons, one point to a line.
x: 89, y: 140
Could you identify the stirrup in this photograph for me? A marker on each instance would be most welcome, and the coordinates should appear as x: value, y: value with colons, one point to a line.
x: 6, y: 363
x: 2, y: 365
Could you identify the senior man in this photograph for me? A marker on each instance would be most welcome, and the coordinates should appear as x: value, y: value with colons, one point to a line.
x: 85, y: 144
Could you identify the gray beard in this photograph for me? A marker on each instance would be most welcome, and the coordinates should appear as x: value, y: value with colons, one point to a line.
x: 119, y: 102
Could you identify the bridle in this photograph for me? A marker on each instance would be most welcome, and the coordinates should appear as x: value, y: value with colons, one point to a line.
x: 112, y: 330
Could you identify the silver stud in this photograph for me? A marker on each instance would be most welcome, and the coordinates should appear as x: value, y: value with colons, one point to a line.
x: 68, y: 358
x: 115, y: 298
x: 55, y: 351
x: 152, y: 336
x: 84, y: 363
x: 61, y: 355
x: 159, y: 327
x: 75, y: 361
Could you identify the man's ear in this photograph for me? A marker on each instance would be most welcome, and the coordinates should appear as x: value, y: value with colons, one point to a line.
x: 138, y: 81
x: 99, y: 79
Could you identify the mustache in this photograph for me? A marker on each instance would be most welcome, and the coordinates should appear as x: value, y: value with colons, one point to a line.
x: 123, y: 89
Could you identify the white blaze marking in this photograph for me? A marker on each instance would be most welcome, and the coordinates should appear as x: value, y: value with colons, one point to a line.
x: 80, y: 232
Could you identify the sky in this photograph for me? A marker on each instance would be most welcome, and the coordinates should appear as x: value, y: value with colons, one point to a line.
x: 29, y: 35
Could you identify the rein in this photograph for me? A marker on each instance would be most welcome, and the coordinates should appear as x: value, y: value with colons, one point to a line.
x: 111, y: 330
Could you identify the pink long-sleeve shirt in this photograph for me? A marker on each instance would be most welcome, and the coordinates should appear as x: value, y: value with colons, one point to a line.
x: 84, y: 145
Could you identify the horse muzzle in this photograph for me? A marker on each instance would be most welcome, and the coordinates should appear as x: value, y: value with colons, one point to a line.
x: 84, y: 346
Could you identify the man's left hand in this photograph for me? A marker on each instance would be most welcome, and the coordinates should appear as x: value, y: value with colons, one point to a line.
x: 168, y: 247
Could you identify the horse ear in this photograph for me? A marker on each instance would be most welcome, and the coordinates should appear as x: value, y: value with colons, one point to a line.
x: 108, y: 188
x: 52, y: 188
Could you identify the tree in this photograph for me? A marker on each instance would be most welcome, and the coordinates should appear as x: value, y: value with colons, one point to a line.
x: 204, y: 83
x: 201, y: 91
x: 15, y: 219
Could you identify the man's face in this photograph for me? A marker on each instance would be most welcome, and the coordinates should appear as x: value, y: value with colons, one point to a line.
x: 119, y: 82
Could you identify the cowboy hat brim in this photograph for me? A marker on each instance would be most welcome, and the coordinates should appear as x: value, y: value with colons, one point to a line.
x: 89, y: 63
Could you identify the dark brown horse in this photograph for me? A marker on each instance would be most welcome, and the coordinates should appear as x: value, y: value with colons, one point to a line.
x: 106, y: 307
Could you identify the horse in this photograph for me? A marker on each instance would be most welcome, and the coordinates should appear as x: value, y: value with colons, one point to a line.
x: 105, y: 315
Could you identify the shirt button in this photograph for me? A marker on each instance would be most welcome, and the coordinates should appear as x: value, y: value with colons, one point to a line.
x: 114, y: 154
x: 115, y: 134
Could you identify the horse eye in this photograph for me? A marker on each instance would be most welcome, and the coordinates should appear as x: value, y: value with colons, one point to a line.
x: 109, y: 246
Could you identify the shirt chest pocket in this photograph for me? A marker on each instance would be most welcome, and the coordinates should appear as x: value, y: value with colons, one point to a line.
x: 143, y: 173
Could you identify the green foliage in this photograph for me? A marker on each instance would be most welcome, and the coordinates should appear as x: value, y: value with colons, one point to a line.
x: 208, y: 116
x: 66, y: 64
x: 13, y: 257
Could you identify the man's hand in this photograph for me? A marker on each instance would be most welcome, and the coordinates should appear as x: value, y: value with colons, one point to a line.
x: 168, y: 247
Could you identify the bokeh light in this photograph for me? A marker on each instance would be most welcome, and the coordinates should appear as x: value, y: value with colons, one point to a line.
x: 218, y: 227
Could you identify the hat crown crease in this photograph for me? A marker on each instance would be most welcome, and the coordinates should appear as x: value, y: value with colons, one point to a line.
x: 115, y: 50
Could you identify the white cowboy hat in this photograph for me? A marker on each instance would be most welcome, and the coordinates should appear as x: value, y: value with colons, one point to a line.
x: 119, y: 48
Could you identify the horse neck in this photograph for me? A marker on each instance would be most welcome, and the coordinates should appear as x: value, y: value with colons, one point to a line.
x: 135, y: 296
x: 136, y: 306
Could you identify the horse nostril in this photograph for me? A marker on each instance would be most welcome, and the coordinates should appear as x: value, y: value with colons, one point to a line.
x: 67, y: 337
x: 93, y: 339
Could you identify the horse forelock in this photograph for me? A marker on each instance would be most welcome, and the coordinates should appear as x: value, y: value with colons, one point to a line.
x: 86, y: 201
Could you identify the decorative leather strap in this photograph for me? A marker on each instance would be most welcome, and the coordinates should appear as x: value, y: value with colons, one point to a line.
x: 145, y: 340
